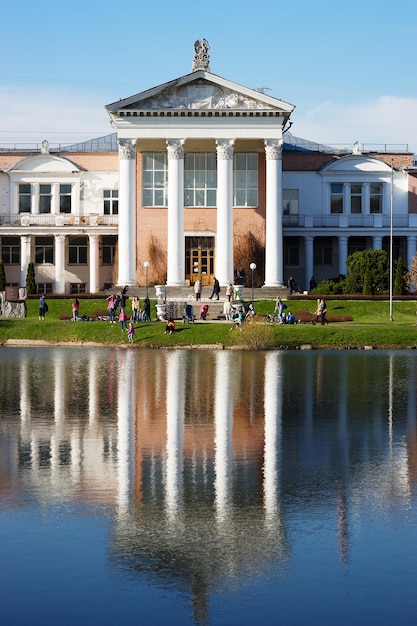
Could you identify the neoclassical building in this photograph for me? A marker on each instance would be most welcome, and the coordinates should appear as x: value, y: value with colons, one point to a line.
x: 198, y: 173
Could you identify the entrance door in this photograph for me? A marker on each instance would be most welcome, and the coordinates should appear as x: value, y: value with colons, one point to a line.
x: 199, y: 259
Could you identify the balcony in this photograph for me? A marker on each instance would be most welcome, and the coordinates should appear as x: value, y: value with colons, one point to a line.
x: 322, y: 220
x: 59, y: 220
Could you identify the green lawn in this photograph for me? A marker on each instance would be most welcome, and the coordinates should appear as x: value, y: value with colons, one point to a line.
x: 370, y: 326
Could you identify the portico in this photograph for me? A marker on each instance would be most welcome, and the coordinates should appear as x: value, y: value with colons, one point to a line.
x: 162, y: 196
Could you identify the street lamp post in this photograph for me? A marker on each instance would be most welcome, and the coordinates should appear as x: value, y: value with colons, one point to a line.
x: 253, y: 268
x: 146, y: 265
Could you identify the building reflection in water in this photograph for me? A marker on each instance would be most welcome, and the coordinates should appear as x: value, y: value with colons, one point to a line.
x: 207, y: 458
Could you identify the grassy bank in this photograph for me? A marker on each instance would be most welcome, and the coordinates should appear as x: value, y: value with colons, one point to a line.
x: 370, y: 326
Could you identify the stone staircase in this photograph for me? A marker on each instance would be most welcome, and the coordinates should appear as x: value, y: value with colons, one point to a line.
x: 184, y: 294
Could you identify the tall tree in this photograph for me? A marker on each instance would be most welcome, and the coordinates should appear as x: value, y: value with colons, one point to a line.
x: 400, y: 279
x: 30, y: 278
x: 2, y: 276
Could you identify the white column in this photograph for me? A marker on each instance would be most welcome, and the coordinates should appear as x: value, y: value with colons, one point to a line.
x: 274, y: 263
x: 127, y: 213
x: 59, y: 263
x: 343, y: 254
x: 346, y: 198
x: 93, y: 258
x: 25, y: 245
x: 224, y: 239
x: 176, y: 241
x: 377, y: 242
x: 309, y: 265
x: 411, y: 249
x: 366, y: 198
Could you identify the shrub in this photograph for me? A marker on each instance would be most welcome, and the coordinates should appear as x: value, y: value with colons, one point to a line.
x: 254, y: 335
x: 357, y: 263
x: 331, y: 286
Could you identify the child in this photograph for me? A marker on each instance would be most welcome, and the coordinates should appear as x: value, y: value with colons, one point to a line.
x: 131, y: 332
x: 122, y: 319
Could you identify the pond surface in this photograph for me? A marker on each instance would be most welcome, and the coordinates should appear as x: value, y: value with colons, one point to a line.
x: 207, y: 487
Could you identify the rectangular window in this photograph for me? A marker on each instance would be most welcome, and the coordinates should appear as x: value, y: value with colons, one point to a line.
x: 336, y: 198
x: 200, y: 179
x: 25, y: 198
x: 245, y: 179
x: 44, y: 250
x: 10, y: 250
x: 323, y: 251
x: 356, y: 198
x: 154, y: 179
x: 65, y: 198
x: 290, y: 201
x: 375, y: 204
x: 291, y: 251
x: 111, y: 201
x: 77, y: 250
x: 45, y: 198
x: 77, y: 287
x: 109, y: 244
x: 44, y: 287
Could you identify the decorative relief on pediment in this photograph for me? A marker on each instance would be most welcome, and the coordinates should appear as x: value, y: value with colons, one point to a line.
x: 201, y: 96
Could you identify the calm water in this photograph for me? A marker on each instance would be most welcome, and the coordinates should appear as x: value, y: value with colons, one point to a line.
x: 202, y: 487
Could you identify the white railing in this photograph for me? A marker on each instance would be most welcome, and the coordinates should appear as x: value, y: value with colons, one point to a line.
x: 60, y: 219
x: 325, y: 220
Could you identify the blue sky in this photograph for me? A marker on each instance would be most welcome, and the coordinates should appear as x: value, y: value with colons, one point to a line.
x: 346, y: 66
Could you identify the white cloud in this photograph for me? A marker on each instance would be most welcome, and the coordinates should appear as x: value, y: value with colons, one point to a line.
x: 60, y: 115
x: 387, y: 120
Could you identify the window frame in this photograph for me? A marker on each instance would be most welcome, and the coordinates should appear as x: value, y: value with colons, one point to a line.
x: 45, y: 250
x: 245, y: 180
x: 153, y: 187
x: 336, y: 199
x: 200, y: 183
x: 10, y: 251
x: 110, y: 201
x: 77, y: 248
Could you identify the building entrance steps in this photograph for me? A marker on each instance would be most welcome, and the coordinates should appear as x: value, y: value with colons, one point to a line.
x: 186, y: 293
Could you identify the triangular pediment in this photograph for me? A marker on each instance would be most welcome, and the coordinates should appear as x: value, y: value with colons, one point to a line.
x: 201, y: 91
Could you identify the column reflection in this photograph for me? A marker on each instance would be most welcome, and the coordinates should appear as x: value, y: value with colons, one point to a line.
x: 125, y: 429
x: 273, y: 436
x: 175, y: 425
x: 223, y: 438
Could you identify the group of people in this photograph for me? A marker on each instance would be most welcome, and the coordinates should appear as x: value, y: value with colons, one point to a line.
x: 117, y: 308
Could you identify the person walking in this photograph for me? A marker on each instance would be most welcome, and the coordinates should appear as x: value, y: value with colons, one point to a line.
x: 216, y: 289
x: 197, y: 289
